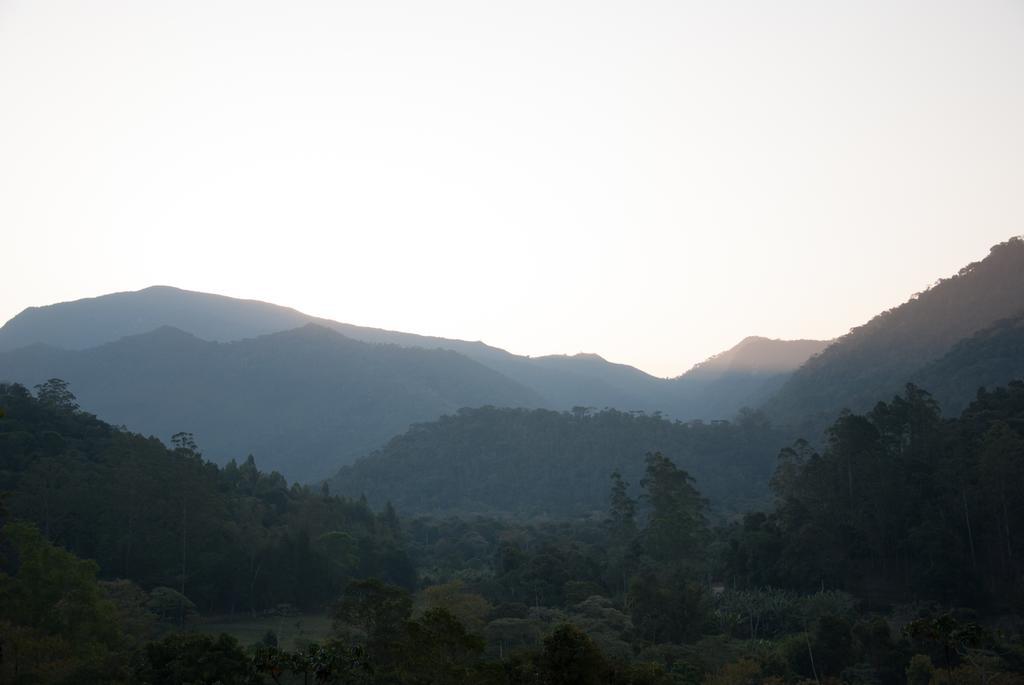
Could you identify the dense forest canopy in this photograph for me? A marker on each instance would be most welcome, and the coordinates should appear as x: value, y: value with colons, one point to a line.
x: 901, y: 503
x: 889, y: 556
x: 987, y: 359
x: 231, y: 538
x: 546, y: 463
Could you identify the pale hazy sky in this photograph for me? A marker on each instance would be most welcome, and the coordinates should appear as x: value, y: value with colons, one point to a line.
x: 651, y: 181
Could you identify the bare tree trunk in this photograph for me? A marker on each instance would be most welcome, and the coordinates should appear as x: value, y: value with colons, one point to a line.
x: 255, y: 571
x: 970, y: 533
x: 184, y: 558
x: 1006, y: 527
x: 810, y: 653
x: 131, y: 532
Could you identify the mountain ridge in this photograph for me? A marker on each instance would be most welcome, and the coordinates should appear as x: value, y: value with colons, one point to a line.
x: 775, y: 355
x: 304, y: 400
x: 562, y: 381
x: 875, y: 359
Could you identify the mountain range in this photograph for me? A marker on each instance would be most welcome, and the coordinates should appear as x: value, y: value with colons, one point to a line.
x: 303, y: 401
x: 964, y: 333
x: 307, y: 395
x: 561, y: 380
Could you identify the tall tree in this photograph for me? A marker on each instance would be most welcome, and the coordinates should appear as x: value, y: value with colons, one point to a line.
x: 677, y: 526
x: 57, y: 393
x: 622, y: 512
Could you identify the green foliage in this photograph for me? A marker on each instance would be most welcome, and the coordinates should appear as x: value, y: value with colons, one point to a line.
x: 878, y: 652
x: 745, y: 671
x: 831, y: 646
x: 195, y: 658
x: 227, y: 539
x: 621, y: 512
x: 139, y: 624
x: 544, y: 463
x: 332, y: 663
x: 374, y: 608
x: 375, y: 614
x: 920, y: 670
x: 619, y: 598
x: 667, y: 606
x: 53, y: 591
x: 676, y: 527
x: 438, y: 649
x: 570, y: 657
x: 170, y: 606
x: 758, y: 614
x: 988, y: 358
x: 304, y: 401
x: 901, y: 502
x: 470, y: 608
x: 56, y: 394
x: 54, y: 619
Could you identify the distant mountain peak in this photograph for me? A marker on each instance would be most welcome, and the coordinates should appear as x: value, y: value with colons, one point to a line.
x: 93, y: 321
x: 579, y: 356
x: 758, y: 354
x: 159, y: 287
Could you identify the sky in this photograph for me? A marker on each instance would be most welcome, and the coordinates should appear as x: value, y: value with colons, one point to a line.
x: 650, y: 181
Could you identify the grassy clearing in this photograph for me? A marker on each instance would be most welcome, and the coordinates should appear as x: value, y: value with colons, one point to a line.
x: 292, y: 631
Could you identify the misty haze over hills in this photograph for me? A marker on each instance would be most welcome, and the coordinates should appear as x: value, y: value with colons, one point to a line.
x: 951, y: 339
x: 303, y: 401
x: 307, y: 395
x: 752, y: 371
x: 162, y: 360
x: 93, y: 321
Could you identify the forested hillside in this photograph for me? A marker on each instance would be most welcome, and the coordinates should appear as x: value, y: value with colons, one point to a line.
x: 539, y: 462
x: 989, y: 359
x: 890, y: 557
x: 302, y: 401
x: 901, y: 503
x: 230, y: 538
x: 876, y: 359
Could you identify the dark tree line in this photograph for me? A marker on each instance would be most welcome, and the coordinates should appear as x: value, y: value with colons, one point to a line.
x: 900, y: 504
x: 231, y: 539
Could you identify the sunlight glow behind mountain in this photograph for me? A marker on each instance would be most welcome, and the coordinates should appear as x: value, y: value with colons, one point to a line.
x: 650, y: 181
